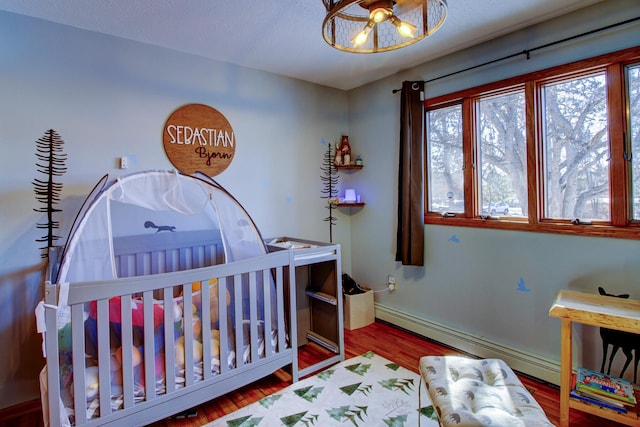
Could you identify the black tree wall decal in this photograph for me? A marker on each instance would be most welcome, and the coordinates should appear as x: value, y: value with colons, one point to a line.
x: 51, y: 162
x: 329, y: 190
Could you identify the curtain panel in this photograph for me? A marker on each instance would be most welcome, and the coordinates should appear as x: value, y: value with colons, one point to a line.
x: 410, y: 231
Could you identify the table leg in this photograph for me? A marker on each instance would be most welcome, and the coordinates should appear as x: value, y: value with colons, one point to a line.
x: 565, y: 371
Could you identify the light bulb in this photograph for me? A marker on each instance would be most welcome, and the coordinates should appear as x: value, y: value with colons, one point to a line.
x: 361, y: 37
x: 405, y: 29
x: 380, y: 14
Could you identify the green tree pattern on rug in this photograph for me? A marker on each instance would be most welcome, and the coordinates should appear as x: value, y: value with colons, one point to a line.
x: 429, y: 412
x: 345, y: 413
x: 325, y: 375
x: 359, y: 368
x: 247, y: 421
x: 396, y: 384
x: 309, y: 393
x: 292, y: 420
x: 399, y: 421
x: 269, y: 401
x: 366, y: 391
x: 352, y: 388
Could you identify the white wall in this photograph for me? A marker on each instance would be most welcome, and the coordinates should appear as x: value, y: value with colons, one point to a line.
x: 467, y: 292
x: 108, y: 97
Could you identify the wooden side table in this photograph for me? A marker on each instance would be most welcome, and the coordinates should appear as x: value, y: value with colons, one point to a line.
x: 595, y: 310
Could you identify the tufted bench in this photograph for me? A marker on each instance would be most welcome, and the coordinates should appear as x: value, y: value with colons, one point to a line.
x: 484, y: 392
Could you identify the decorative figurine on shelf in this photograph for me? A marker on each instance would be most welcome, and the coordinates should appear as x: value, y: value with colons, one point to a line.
x: 337, y: 160
x: 346, y: 159
x: 345, y: 148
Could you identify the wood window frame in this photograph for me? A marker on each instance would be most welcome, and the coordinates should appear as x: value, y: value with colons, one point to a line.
x: 620, y: 224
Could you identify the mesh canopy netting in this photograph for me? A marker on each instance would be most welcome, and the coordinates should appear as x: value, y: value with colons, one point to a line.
x: 159, y: 203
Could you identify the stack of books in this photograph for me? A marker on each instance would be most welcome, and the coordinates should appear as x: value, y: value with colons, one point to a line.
x: 604, y: 390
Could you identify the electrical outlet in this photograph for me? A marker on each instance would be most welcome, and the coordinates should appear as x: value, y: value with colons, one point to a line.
x: 124, y: 162
x: 391, y: 280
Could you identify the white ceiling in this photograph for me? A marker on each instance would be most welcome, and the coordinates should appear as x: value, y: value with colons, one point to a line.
x: 285, y: 36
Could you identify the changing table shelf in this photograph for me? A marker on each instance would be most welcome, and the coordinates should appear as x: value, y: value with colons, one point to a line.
x: 595, y: 310
x: 319, y: 302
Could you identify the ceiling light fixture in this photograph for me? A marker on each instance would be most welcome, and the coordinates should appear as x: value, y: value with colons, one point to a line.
x: 371, y: 26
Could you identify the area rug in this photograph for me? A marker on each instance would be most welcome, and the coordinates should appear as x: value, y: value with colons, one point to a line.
x: 367, y: 390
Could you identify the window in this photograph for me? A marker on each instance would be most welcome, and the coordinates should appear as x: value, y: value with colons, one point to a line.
x: 633, y: 132
x: 576, y: 149
x: 445, y: 179
x: 557, y: 150
x: 502, y: 164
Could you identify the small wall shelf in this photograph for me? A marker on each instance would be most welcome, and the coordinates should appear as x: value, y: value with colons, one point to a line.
x: 351, y: 167
x: 349, y: 205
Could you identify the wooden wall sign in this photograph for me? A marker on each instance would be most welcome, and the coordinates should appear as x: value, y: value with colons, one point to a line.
x: 198, y: 138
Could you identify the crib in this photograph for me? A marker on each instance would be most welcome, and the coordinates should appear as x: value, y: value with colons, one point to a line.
x: 178, y: 320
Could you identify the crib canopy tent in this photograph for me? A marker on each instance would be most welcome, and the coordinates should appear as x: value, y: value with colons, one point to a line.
x: 158, y: 203
x: 164, y: 296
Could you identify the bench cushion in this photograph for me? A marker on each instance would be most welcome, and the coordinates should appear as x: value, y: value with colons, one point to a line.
x: 484, y: 392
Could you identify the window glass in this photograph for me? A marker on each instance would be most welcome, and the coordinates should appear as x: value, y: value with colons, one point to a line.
x: 445, y: 176
x: 633, y: 97
x: 576, y: 149
x: 502, y: 168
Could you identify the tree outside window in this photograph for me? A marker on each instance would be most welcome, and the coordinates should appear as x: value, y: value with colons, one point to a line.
x: 502, y: 146
x: 576, y: 149
x: 445, y: 178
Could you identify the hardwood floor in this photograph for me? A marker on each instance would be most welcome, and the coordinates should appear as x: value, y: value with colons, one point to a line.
x: 400, y: 346
x: 392, y: 343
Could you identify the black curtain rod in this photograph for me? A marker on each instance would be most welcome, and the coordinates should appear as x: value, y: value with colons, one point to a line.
x: 527, y: 52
